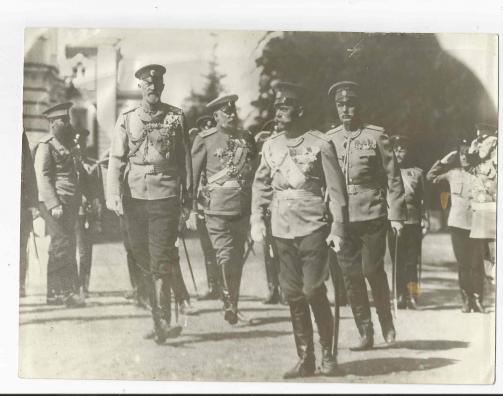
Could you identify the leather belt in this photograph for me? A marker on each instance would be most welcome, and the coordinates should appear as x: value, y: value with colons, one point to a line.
x: 295, y: 194
x: 358, y: 188
x: 151, y: 169
x: 227, y: 184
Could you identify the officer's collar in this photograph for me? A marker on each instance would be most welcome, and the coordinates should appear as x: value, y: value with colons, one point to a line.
x: 146, y: 113
x: 352, y: 134
x: 60, y: 146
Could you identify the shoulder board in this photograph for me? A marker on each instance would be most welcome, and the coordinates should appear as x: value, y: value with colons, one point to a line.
x: 335, y: 130
x: 208, y: 132
x: 374, y: 128
x: 174, y: 109
x: 319, y: 135
x: 46, y: 139
x: 90, y: 161
x: 130, y: 110
x: 275, y: 135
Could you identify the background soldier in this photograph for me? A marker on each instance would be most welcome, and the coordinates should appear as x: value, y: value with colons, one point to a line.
x: 148, y: 181
x: 213, y: 275
x: 225, y: 157
x: 372, y: 179
x: 29, y: 205
x: 410, y: 239
x: 60, y: 195
x: 271, y: 261
x: 455, y: 169
x: 90, y: 211
x: 296, y: 169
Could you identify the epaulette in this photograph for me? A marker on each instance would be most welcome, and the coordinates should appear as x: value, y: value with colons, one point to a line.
x: 319, y: 135
x: 208, y: 132
x: 173, y: 109
x: 335, y: 130
x: 374, y: 127
x: 130, y: 110
x: 46, y: 139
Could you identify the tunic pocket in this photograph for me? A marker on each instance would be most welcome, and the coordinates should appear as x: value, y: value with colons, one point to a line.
x: 225, y: 199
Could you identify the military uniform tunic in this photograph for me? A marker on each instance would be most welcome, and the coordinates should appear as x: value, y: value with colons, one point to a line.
x: 293, y: 179
x: 150, y: 155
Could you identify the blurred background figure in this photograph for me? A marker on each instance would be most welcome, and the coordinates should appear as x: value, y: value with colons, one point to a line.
x: 484, y: 148
x: 409, y: 241
x: 90, y: 212
x: 455, y: 169
x: 29, y: 209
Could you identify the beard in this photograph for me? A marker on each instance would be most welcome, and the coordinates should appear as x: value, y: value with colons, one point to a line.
x: 153, y: 98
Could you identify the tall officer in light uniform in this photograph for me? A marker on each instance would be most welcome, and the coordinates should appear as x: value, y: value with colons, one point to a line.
x: 298, y: 169
x: 225, y: 157
x: 373, y: 184
x: 411, y: 237
x: 149, y: 178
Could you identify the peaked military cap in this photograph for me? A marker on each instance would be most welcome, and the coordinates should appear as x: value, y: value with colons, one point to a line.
x: 60, y: 110
x: 222, y: 101
x: 268, y: 126
x: 400, y: 140
x: 485, y: 129
x: 205, y: 122
x: 287, y: 93
x: 344, y: 90
x: 150, y: 72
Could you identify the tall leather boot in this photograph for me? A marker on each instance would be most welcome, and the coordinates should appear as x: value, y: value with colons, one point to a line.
x: 303, y: 334
x: 325, y: 323
x: 465, y: 300
x: 412, y: 293
x: 356, y: 290
x: 381, y: 294
x: 230, y: 311
x: 273, y: 296
x: 213, y: 292
x: 476, y: 303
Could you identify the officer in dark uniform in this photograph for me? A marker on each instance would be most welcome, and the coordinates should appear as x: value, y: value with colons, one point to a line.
x: 29, y: 207
x: 60, y: 184
x: 271, y: 261
x: 411, y: 237
x: 149, y: 180
x: 373, y: 182
x: 225, y: 158
x: 90, y: 212
x: 213, y: 275
x: 298, y: 169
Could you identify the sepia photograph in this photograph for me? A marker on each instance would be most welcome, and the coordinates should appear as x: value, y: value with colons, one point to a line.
x: 258, y: 206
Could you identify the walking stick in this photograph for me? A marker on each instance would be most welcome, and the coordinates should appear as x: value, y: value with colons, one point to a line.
x: 332, y: 266
x: 393, y: 272
x: 188, y: 261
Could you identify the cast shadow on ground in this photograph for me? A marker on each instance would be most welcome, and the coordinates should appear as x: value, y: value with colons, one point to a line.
x: 225, y: 336
x: 384, y: 366
x: 43, y: 307
x: 427, y: 345
x: 89, y: 318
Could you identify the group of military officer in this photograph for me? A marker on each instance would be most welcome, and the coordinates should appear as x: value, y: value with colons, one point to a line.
x: 317, y: 198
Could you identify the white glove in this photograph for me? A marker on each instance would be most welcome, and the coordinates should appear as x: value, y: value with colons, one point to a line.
x: 397, y: 226
x: 449, y: 158
x: 335, y: 242
x: 191, y: 221
x: 258, y: 232
x: 114, y: 203
x: 57, y: 212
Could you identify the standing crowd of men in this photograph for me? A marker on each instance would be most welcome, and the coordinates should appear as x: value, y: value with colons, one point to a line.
x: 321, y: 203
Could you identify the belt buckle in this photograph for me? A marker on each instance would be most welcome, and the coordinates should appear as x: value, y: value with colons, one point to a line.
x: 150, y: 169
x: 352, y: 189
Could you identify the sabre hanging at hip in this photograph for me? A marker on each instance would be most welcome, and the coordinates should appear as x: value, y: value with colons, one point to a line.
x: 393, y: 274
x: 333, y: 268
x: 188, y: 261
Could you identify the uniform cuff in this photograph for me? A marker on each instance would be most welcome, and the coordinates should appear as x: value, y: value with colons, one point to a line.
x: 338, y: 229
x: 52, y: 203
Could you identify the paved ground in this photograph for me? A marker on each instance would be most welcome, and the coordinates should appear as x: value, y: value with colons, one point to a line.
x: 437, y: 344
